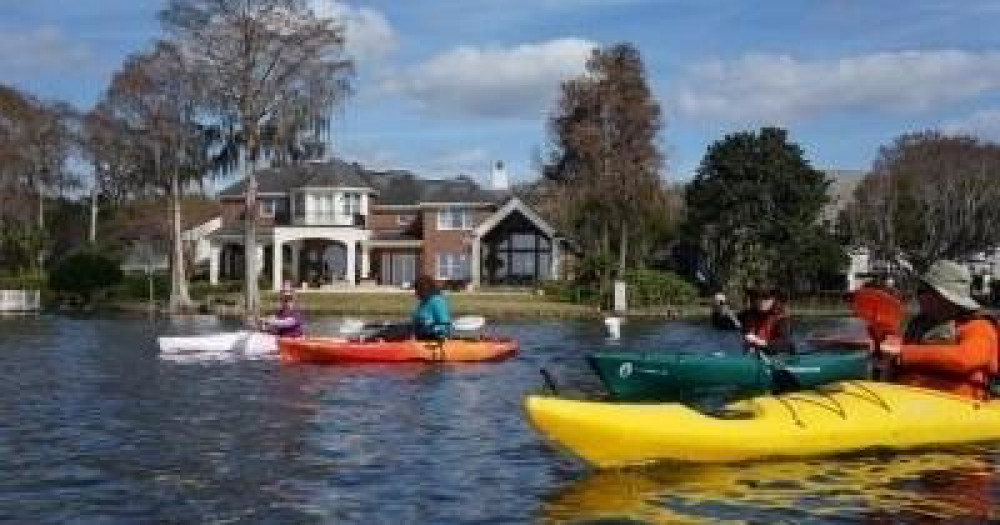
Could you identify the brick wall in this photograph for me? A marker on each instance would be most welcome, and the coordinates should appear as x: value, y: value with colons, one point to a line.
x: 232, y: 211
x: 445, y: 241
x: 388, y: 220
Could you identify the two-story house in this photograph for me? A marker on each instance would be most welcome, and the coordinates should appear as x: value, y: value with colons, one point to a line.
x: 332, y: 223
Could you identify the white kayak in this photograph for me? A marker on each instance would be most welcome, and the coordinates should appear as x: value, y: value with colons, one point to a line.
x: 220, y: 346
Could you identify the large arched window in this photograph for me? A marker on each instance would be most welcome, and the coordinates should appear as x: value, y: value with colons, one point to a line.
x: 516, y: 252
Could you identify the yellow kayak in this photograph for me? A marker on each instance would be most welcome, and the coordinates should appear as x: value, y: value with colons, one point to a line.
x: 841, y: 417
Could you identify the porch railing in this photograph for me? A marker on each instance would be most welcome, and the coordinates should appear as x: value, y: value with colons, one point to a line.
x: 20, y: 300
x: 329, y: 219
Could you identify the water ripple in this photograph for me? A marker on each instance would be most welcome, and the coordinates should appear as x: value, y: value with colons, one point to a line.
x: 96, y: 429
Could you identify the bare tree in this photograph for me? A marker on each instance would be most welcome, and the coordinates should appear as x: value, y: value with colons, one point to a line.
x: 35, y: 143
x: 929, y: 196
x: 261, y: 60
x: 155, y: 98
x: 605, y: 158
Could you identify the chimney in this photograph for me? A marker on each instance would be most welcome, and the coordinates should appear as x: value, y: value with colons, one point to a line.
x: 498, y: 179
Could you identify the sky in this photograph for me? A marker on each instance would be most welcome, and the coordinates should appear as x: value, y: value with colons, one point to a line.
x: 447, y: 87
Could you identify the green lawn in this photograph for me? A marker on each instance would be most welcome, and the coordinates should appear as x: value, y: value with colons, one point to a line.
x: 400, y: 305
x: 493, y: 305
x: 511, y: 306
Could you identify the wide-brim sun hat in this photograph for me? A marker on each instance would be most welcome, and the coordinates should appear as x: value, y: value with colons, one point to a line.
x: 953, y: 282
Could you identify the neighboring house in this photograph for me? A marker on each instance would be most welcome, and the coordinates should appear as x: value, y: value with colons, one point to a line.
x: 984, y: 266
x: 330, y: 223
x: 143, y: 229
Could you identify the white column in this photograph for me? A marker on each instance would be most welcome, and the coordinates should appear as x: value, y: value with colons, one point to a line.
x: 296, y: 248
x: 276, y: 265
x: 554, y: 255
x: 351, y: 257
x: 474, y: 265
x: 258, y: 254
x: 366, y: 260
x: 214, y: 253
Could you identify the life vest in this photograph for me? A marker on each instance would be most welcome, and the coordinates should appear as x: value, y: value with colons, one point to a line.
x: 765, y: 324
x: 921, y: 332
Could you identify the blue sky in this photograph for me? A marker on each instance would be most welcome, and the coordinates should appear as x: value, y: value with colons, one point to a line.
x: 447, y: 86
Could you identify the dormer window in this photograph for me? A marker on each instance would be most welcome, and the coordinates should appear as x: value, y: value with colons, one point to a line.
x: 454, y: 218
x: 352, y: 204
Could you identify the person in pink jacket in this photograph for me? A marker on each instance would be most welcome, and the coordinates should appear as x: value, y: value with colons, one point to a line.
x: 287, y: 321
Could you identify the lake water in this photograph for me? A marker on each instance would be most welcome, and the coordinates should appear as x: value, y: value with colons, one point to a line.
x: 95, y: 428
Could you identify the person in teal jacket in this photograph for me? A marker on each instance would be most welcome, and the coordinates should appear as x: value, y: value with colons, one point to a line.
x: 431, y: 320
x: 432, y: 317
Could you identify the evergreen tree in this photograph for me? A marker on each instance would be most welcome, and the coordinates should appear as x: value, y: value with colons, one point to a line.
x: 754, y: 208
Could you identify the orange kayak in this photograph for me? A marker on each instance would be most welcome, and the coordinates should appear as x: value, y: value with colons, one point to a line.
x: 330, y: 350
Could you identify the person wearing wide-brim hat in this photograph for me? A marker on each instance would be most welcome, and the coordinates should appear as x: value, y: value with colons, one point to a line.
x: 951, y: 345
x: 287, y: 321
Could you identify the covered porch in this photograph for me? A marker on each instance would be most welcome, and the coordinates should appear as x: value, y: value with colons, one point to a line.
x: 305, y: 257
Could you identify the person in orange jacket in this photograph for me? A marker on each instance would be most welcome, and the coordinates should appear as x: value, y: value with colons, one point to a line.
x: 951, y: 345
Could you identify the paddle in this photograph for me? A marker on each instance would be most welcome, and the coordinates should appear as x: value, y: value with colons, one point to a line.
x: 463, y: 324
x: 881, y: 310
x: 784, y: 381
x: 883, y: 313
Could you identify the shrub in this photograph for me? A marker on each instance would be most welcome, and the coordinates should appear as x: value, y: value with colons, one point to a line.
x: 136, y: 286
x: 656, y: 288
x: 27, y: 282
x: 572, y: 292
x: 202, y: 289
x: 84, y: 273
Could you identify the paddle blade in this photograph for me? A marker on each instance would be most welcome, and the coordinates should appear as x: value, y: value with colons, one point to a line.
x: 882, y: 311
x: 351, y: 327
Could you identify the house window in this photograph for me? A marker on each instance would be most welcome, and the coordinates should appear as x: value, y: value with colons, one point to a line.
x: 352, y: 204
x: 452, y: 266
x: 268, y: 208
x: 454, y: 219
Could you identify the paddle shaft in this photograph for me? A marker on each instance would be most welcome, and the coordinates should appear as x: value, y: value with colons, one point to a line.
x: 783, y: 379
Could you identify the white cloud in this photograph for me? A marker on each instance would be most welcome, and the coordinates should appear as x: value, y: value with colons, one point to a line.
x: 983, y: 123
x: 40, y: 50
x: 765, y: 87
x: 519, y: 81
x: 369, y: 35
x: 472, y: 161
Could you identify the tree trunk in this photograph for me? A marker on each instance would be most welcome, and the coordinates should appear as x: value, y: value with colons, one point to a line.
x: 605, y: 270
x: 40, y: 262
x: 622, y: 250
x: 250, y: 292
x: 180, y: 300
x: 93, y: 213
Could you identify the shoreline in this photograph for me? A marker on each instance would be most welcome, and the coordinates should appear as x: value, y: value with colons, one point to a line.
x: 492, y: 306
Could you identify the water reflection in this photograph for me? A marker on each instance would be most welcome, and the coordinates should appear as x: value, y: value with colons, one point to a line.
x: 952, y: 485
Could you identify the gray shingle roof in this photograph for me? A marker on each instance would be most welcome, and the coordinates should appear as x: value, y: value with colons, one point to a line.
x: 394, y: 187
x: 280, y: 180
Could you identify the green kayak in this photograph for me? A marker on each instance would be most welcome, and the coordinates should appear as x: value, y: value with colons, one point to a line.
x: 646, y: 376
